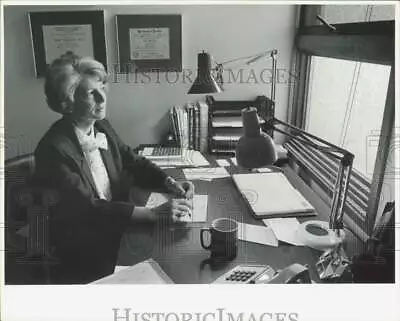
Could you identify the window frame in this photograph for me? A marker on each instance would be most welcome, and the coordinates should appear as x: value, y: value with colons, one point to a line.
x: 372, y: 42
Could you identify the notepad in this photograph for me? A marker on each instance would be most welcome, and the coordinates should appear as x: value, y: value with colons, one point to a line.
x: 272, y: 195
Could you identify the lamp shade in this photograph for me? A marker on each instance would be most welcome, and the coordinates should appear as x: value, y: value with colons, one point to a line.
x: 255, y: 148
x: 204, y: 82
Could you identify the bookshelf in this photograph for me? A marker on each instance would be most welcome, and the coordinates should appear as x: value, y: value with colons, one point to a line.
x: 225, y: 122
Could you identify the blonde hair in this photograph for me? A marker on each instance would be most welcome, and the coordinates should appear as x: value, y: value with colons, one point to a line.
x: 64, y: 75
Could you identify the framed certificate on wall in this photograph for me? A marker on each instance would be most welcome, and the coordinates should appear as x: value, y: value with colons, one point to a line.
x: 149, y: 43
x: 55, y: 33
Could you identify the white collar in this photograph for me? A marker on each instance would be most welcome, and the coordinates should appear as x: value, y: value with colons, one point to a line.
x: 82, y: 136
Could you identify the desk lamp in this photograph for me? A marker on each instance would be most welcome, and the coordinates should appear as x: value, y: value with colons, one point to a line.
x: 256, y: 149
x: 204, y: 82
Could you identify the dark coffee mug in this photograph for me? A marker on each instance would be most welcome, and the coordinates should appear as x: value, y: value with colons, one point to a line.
x: 224, y: 236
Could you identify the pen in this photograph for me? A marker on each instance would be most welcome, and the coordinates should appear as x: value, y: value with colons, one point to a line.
x: 185, y: 196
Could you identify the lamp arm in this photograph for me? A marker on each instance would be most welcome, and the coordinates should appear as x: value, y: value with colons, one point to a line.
x: 335, y: 148
x: 301, y: 139
x: 274, y: 53
x: 337, y: 192
x: 253, y: 58
x: 344, y: 171
x: 339, y: 197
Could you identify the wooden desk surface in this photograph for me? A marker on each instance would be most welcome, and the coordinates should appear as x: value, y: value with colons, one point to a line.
x: 178, y: 249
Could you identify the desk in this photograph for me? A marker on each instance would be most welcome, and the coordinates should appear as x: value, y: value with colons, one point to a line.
x: 178, y: 250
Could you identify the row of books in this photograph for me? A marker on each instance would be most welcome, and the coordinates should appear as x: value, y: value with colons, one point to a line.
x: 190, y: 125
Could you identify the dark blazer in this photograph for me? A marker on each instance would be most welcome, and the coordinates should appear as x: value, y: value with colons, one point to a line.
x: 84, y: 230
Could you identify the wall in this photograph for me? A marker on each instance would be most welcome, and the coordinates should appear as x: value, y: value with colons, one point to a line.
x: 139, y: 111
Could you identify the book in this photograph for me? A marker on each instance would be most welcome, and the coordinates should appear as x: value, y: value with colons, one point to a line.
x: 197, y: 126
x: 203, y: 126
x: 189, y: 113
x: 183, y: 126
x: 272, y: 195
x: 175, y: 125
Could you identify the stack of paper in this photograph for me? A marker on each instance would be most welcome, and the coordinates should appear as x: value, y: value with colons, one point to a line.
x: 189, y: 158
x: 205, y: 173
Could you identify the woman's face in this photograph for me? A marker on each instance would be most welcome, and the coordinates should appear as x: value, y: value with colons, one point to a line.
x: 90, y: 99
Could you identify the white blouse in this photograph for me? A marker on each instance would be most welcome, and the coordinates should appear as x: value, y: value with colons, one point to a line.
x: 90, y: 147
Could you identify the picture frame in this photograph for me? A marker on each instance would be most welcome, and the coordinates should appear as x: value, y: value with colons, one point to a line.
x: 54, y: 33
x: 149, y: 43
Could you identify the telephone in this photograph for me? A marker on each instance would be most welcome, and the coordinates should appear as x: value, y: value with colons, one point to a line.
x: 262, y: 274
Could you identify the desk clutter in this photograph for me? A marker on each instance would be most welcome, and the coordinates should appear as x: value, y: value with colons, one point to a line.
x: 272, y: 199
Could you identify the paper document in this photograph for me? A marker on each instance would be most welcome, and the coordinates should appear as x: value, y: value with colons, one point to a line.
x: 146, y: 272
x: 205, y: 173
x: 285, y: 229
x: 234, y: 161
x: 223, y: 162
x: 199, y: 206
x: 257, y: 234
x: 230, y: 121
x: 224, y: 138
x: 272, y: 195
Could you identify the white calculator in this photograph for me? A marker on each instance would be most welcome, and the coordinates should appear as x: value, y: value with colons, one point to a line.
x: 245, y: 274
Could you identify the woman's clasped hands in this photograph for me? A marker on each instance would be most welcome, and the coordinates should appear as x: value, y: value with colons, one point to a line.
x: 179, y: 207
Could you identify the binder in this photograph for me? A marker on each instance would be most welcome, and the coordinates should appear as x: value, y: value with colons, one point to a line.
x: 272, y: 195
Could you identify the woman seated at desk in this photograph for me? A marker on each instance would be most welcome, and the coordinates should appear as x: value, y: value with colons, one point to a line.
x: 84, y: 160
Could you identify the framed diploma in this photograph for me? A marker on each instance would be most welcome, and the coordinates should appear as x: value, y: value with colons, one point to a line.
x: 54, y: 33
x: 149, y: 43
